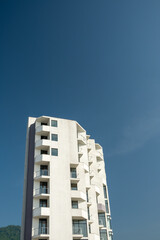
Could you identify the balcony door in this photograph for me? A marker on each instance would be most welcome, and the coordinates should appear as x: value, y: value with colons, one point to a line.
x: 44, y: 187
x: 44, y: 170
x: 42, y: 226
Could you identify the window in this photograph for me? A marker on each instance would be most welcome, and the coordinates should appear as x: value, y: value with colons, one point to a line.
x: 103, y: 234
x: 44, y: 137
x: 73, y: 173
x: 109, y: 222
x: 43, y: 202
x: 102, y: 219
x: 88, y: 213
x: 87, y: 196
x: 44, y: 152
x: 74, y: 204
x: 107, y: 207
x: 89, y: 226
x: 54, y: 152
x: 43, y: 123
x: 80, y: 227
x: 73, y: 186
x: 105, y: 191
x: 43, y: 187
x: 54, y: 137
x: 44, y: 170
x: 54, y: 123
x: 43, y: 226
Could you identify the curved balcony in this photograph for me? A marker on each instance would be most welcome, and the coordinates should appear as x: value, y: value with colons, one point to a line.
x: 79, y: 214
x: 81, y: 139
x: 90, y: 159
x: 43, y: 143
x: 40, y: 192
x: 78, y: 195
x: 91, y: 174
x: 42, y: 158
x: 86, y: 168
x: 99, y: 156
x: 40, y: 232
x: 41, y: 212
x: 99, y: 168
x: 80, y: 151
x: 89, y: 147
x: 42, y: 129
x: 101, y: 207
x: 42, y: 174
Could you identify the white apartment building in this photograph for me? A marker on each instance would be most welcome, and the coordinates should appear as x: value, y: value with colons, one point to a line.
x: 65, y: 190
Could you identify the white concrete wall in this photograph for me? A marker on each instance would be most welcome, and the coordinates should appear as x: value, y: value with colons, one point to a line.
x: 71, y: 139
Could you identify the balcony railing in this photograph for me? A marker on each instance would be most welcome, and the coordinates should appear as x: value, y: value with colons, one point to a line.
x: 73, y: 175
x: 41, y: 191
x: 42, y: 172
x: 90, y: 159
x: 101, y: 222
x: 81, y: 138
x: 89, y: 146
x: 77, y: 231
x: 41, y: 230
x: 99, y: 155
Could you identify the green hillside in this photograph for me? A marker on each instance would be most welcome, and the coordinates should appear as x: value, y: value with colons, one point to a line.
x: 10, y: 233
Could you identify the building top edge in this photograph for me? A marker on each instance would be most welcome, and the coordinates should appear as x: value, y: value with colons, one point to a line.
x: 43, y: 116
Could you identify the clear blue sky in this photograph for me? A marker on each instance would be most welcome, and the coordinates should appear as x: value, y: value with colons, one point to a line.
x: 97, y: 62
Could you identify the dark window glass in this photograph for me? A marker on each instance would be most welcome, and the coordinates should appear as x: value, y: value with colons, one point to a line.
x: 74, y: 204
x: 73, y: 173
x: 44, y: 170
x: 102, y: 219
x: 80, y: 227
x: 44, y: 152
x: 89, y: 226
x: 54, y: 123
x: 54, y: 137
x: 73, y: 186
x: 43, y: 226
x: 44, y: 137
x: 87, y: 196
x: 107, y: 207
x: 43, y: 187
x: 105, y: 191
x: 45, y: 124
x: 43, y: 203
x: 54, y: 152
x: 88, y: 213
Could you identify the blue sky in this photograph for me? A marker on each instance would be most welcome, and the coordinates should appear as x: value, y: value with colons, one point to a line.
x: 97, y: 62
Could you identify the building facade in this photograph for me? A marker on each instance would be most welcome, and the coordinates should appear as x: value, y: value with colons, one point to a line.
x: 65, y: 190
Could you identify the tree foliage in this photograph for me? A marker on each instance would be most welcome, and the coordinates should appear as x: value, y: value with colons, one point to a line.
x: 10, y: 233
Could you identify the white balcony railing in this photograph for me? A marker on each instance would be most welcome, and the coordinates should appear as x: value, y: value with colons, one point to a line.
x: 42, y: 172
x: 41, y: 211
x: 81, y: 138
x: 39, y: 191
x: 40, y: 231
